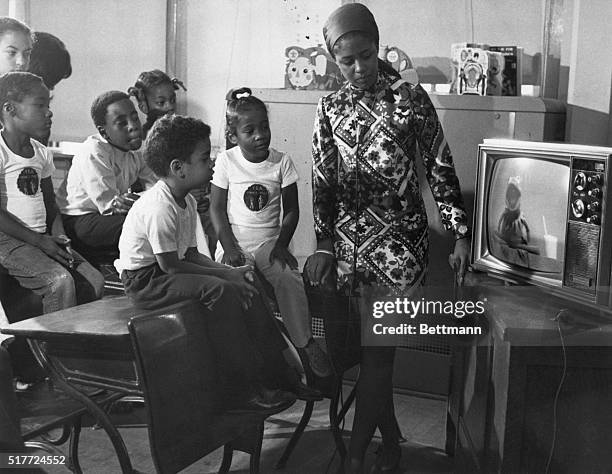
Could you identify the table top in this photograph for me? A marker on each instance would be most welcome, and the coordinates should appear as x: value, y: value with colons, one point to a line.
x: 104, y: 319
x: 526, y: 316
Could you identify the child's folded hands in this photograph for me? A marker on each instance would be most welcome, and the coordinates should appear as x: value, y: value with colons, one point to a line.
x: 122, y: 203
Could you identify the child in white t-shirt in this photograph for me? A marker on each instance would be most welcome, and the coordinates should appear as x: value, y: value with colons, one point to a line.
x: 251, y: 185
x: 160, y: 265
x: 33, y: 246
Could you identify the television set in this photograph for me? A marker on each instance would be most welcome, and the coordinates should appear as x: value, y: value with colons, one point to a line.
x: 543, y: 216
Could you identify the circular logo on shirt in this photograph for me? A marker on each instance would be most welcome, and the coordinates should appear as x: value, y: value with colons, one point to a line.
x: 256, y: 197
x: 27, y: 182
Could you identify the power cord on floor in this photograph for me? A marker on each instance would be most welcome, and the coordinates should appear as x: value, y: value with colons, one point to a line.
x: 561, y: 315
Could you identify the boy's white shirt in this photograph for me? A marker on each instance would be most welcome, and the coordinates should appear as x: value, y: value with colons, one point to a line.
x: 99, y: 172
x: 20, y: 191
x: 253, y: 222
x: 156, y: 224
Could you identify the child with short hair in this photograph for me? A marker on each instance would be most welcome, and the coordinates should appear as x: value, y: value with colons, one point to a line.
x: 15, y: 45
x: 96, y: 195
x: 33, y: 246
x: 160, y: 265
x: 155, y: 94
x: 250, y: 184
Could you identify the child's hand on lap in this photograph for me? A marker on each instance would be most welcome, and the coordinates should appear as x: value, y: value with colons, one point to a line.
x: 233, y: 257
x: 281, y: 253
x: 241, y: 277
x: 54, y: 247
x: 123, y: 202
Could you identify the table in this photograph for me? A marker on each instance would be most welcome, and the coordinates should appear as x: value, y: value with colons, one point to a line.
x: 88, y: 345
x: 506, y: 394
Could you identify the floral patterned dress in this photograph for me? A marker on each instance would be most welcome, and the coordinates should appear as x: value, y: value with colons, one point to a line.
x: 366, y: 193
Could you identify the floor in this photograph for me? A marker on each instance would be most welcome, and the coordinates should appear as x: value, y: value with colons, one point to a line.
x: 422, y: 421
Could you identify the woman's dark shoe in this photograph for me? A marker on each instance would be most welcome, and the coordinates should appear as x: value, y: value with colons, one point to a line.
x: 387, y: 459
x: 263, y: 400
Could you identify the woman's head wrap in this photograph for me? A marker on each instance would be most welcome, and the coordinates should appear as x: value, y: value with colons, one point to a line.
x: 347, y: 18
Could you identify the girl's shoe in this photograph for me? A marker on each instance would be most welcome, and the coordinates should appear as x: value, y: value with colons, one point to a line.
x: 387, y: 459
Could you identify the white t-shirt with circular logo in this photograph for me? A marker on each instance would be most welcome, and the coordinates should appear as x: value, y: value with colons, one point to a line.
x: 254, y: 194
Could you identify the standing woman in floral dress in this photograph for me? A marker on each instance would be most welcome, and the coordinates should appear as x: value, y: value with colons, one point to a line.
x: 370, y: 220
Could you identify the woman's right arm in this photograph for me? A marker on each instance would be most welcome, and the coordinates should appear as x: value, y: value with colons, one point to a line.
x: 324, y: 182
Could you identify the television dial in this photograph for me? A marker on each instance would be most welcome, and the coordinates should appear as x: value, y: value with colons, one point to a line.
x: 595, y: 180
x: 580, y: 181
x: 594, y: 219
x: 595, y: 193
x: 578, y: 208
x: 593, y: 207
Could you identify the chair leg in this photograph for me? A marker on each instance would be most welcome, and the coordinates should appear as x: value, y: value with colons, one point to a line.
x: 334, y: 421
x: 451, y: 436
x: 228, y: 452
x: 256, y: 454
x: 347, y: 403
x: 73, y: 450
x: 295, y: 437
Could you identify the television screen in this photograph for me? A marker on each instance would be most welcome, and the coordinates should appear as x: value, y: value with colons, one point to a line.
x: 526, y: 212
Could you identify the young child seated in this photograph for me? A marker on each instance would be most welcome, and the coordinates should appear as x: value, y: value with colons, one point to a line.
x: 250, y: 184
x: 155, y: 94
x: 96, y: 195
x: 159, y: 265
x: 15, y: 45
x: 33, y: 246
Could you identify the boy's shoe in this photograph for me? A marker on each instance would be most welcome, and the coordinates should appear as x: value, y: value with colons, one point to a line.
x: 317, y: 359
x: 263, y: 400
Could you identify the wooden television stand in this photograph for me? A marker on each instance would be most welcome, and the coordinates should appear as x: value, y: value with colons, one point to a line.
x: 504, y: 397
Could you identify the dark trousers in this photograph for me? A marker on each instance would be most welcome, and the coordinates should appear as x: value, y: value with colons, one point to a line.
x: 94, y: 234
x: 247, y: 345
x: 374, y: 401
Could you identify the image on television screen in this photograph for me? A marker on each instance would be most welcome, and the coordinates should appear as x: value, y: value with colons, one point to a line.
x: 526, y: 212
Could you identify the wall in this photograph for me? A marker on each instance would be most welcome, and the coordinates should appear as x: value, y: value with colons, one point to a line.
x: 244, y: 40
x: 110, y: 43
x: 589, y: 83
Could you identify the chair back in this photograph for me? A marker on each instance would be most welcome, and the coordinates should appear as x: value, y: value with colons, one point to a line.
x: 177, y: 374
x: 342, y: 327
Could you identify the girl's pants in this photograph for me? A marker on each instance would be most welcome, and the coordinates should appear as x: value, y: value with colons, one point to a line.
x: 289, y: 293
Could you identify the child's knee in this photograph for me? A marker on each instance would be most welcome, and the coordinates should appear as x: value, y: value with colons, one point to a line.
x: 60, y: 279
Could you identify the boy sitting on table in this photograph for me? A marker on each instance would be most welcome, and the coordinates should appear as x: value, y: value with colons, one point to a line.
x: 160, y: 265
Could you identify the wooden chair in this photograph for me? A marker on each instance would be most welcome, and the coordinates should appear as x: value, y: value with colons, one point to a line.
x: 177, y: 376
x: 341, y: 328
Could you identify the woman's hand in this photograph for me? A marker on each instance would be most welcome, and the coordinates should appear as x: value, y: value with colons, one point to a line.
x: 319, y: 267
x: 281, y: 253
x: 460, y: 259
